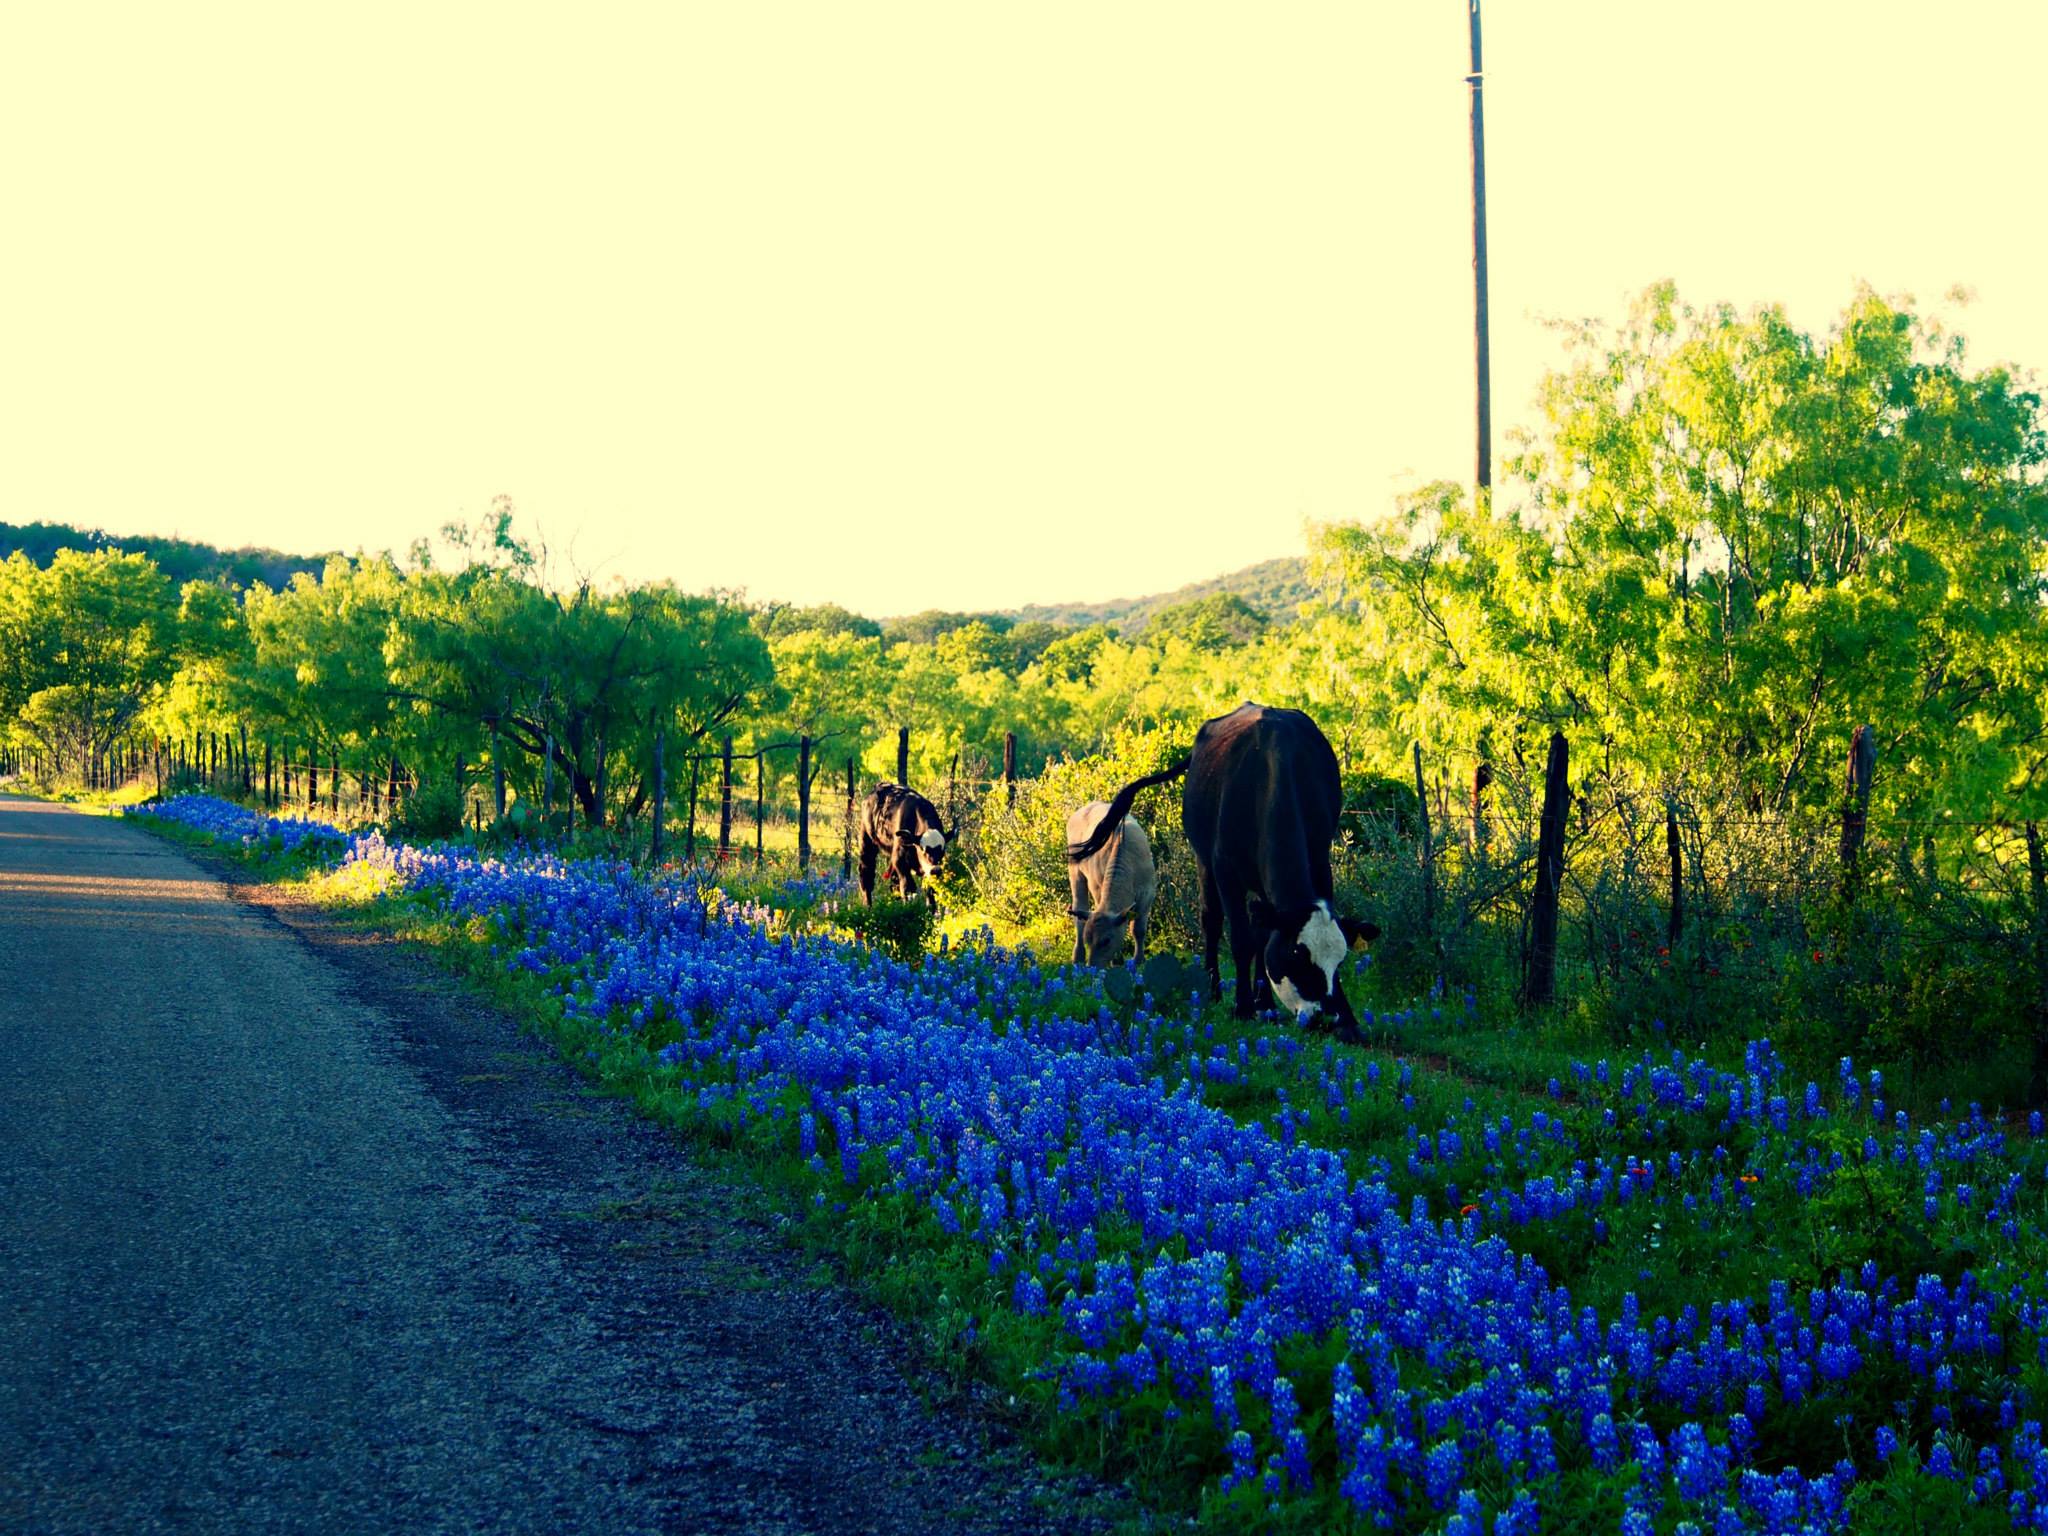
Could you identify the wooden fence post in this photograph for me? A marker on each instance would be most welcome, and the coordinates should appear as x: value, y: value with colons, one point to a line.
x: 803, y: 805
x: 248, y: 781
x: 660, y: 787
x: 1541, y: 981
x: 953, y: 796
x: 1671, y: 846
x: 760, y: 800
x: 497, y: 772
x: 312, y: 782
x: 2037, y: 879
x: 1482, y: 781
x: 846, y: 855
x: 690, y: 838
x: 334, y: 782
x: 269, y: 783
x: 1428, y: 851
x: 903, y: 756
x: 725, y: 805
x: 547, y: 777
x: 1009, y: 767
x: 1856, y: 803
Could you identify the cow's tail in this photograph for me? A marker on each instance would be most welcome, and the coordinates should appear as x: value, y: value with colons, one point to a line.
x: 1119, y: 808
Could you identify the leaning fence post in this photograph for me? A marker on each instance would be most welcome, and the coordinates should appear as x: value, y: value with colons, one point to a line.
x: 1671, y: 847
x: 1428, y: 853
x: 803, y: 805
x: 1482, y: 780
x: 2037, y: 879
x: 1009, y: 767
x: 1541, y: 982
x: 903, y: 756
x: 725, y: 804
x: 846, y: 855
x: 1856, y: 804
x: 660, y: 788
x: 690, y: 838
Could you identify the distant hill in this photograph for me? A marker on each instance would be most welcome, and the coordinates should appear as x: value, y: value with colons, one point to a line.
x: 179, y: 559
x: 1274, y: 587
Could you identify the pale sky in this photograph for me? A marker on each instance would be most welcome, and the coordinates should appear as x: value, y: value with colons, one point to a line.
x: 923, y: 304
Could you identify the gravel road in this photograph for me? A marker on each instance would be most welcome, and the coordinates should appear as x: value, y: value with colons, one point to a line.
x: 296, y: 1236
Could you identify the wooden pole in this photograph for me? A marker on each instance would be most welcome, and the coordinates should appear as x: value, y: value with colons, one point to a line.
x: 1541, y: 983
x: 269, y: 783
x: 312, y: 782
x: 903, y: 756
x: 1428, y: 849
x: 1671, y: 847
x: 660, y: 794
x: 1481, y: 360
x: 334, y: 782
x: 497, y: 773
x: 247, y: 779
x: 725, y: 804
x: 760, y: 800
x: 803, y: 805
x: 1482, y: 781
x: 846, y: 856
x: 1856, y: 804
x: 1009, y: 767
x: 2037, y: 879
x: 690, y: 838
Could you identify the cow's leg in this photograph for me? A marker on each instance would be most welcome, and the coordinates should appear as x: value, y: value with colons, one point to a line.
x: 1141, y: 930
x: 1243, y: 950
x: 1212, y: 933
x: 869, y: 852
x: 1077, y: 891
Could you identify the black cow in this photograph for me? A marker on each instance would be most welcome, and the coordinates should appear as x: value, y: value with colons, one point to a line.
x: 900, y: 829
x: 1260, y: 808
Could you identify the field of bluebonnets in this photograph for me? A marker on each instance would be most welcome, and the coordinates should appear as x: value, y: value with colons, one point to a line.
x: 1292, y: 1285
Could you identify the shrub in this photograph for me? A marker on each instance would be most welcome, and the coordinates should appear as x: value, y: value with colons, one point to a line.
x: 434, y: 810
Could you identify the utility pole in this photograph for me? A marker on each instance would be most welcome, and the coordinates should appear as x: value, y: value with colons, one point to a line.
x: 1481, y: 359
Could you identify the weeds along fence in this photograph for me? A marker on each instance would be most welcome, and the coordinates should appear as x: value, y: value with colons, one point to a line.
x: 1690, y: 908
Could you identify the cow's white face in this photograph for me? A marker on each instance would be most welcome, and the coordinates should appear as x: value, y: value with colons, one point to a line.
x: 931, y: 850
x: 1326, y: 945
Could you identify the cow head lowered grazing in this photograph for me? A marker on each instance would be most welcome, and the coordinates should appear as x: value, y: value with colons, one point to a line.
x: 1113, y: 888
x: 1260, y: 810
x: 900, y: 830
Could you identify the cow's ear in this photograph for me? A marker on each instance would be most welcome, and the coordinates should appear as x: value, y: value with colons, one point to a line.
x: 1357, y: 932
x: 1077, y: 912
x: 1262, y: 912
x: 1124, y: 916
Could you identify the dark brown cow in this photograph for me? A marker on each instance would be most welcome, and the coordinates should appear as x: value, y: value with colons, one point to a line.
x: 1260, y: 809
x: 900, y: 830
